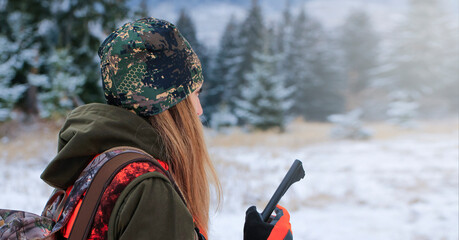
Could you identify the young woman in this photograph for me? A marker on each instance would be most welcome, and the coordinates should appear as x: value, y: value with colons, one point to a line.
x: 151, y: 80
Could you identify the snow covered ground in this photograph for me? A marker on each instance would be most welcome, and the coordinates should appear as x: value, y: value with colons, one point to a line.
x: 401, y: 188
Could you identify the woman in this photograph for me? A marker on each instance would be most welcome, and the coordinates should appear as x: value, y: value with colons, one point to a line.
x: 151, y: 79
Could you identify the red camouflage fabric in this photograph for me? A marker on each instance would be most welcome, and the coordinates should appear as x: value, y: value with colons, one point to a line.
x: 111, y: 193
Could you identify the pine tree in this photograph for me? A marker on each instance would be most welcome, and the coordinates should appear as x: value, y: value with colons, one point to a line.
x: 313, y: 71
x: 221, y: 87
x: 402, y: 108
x: 222, y: 119
x: 20, y: 32
x: 421, y: 54
x: 265, y: 101
x: 36, y: 29
x: 10, y: 93
x: 61, y: 86
x: 349, y: 126
x: 284, y: 31
x: 281, y: 47
x: 77, y: 24
x: 187, y: 28
x: 251, y: 40
x: 359, y: 43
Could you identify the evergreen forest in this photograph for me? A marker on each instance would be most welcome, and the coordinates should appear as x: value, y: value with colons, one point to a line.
x: 263, y: 73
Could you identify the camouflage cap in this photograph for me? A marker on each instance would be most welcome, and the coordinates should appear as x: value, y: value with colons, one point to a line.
x: 147, y: 67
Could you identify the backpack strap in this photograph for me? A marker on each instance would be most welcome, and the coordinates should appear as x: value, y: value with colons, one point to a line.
x: 102, y: 179
x: 55, y: 204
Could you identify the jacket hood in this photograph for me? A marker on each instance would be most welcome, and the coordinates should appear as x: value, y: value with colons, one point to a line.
x: 92, y: 129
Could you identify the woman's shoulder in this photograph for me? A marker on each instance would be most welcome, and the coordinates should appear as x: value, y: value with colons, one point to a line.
x: 150, y: 200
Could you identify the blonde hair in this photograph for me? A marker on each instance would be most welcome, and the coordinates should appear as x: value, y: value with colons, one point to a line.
x: 181, y: 132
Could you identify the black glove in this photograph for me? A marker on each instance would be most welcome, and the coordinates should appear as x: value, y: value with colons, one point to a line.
x: 277, y: 228
x: 200, y: 236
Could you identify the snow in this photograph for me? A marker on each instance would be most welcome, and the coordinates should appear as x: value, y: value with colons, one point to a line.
x: 3, y: 4
x: 95, y: 28
x: 38, y: 80
x: 396, y: 189
x: 61, y: 6
x: 400, y: 188
x: 223, y: 118
x: 45, y: 26
x: 349, y: 126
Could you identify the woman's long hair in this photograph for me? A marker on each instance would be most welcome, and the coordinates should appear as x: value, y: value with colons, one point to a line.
x: 182, y: 134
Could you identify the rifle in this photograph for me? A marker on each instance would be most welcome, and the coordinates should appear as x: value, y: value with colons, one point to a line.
x: 294, y: 174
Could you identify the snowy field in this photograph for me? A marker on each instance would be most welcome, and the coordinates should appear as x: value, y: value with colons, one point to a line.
x: 405, y: 187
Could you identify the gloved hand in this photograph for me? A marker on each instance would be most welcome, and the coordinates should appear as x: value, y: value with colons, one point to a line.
x: 277, y: 228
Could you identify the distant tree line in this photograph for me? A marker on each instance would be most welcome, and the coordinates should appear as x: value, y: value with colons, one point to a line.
x: 266, y: 73
x: 263, y: 73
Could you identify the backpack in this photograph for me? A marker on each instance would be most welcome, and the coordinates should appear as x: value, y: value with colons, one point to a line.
x: 89, y: 186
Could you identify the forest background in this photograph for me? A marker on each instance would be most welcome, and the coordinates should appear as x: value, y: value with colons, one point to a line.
x: 261, y: 70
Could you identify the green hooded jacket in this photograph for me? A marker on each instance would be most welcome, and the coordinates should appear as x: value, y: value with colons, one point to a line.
x: 149, y: 207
